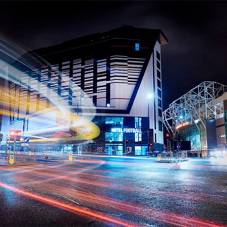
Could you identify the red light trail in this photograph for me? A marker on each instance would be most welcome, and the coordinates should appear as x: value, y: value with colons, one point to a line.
x: 72, y: 208
x: 71, y: 177
x: 155, y: 214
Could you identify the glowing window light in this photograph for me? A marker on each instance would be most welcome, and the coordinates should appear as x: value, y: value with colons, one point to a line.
x: 137, y: 46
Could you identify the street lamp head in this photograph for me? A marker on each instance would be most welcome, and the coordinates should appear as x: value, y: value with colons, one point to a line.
x: 150, y: 95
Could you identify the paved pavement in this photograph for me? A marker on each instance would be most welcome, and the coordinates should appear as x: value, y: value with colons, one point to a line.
x: 58, y: 157
x: 103, y: 191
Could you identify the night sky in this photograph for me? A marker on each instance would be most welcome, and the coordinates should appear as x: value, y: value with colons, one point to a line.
x: 196, y: 31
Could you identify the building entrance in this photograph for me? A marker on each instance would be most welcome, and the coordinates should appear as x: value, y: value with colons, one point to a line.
x: 114, y: 150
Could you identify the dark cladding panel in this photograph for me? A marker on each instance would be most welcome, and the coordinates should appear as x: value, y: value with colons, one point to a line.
x: 185, y: 145
x: 225, y: 116
x: 211, y: 134
x: 225, y: 105
x: 82, y: 69
x: 108, y: 75
x: 95, y: 76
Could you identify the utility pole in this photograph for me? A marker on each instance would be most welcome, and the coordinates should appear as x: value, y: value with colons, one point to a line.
x: 6, y: 148
x: 125, y: 145
x: 14, y: 146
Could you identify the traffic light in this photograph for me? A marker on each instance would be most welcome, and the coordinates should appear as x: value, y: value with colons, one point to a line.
x: 18, y: 136
x: 15, y: 135
x: 12, y: 134
x: 126, y: 141
x: 167, y: 135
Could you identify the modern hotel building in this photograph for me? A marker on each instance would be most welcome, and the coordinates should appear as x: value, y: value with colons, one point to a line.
x: 108, y: 76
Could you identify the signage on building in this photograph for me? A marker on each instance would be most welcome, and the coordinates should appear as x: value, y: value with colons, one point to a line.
x: 182, y: 125
x: 26, y: 139
x: 127, y: 130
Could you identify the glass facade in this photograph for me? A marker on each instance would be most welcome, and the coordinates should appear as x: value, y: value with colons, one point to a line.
x: 115, y: 121
x: 114, y: 136
x: 125, y: 135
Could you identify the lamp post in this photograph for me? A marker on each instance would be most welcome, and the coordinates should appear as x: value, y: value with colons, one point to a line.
x: 149, y: 96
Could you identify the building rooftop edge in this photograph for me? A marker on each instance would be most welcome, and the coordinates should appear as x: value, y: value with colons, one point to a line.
x: 121, y: 32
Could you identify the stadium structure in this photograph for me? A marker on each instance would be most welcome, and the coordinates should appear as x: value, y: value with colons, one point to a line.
x: 200, y: 116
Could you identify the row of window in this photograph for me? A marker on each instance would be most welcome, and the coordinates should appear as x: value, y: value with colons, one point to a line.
x: 159, y: 87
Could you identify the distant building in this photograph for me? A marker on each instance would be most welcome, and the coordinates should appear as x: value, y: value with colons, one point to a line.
x: 200, y: 116
x: 108, y: 73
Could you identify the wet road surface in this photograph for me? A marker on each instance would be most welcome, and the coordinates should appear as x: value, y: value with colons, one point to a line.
x: 107, y: 191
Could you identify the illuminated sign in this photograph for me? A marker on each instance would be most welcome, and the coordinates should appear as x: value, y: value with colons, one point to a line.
x: 182, y: 125
x: 126, y: 130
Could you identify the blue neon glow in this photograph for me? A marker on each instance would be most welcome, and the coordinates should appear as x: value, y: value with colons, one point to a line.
x: 137, y: 46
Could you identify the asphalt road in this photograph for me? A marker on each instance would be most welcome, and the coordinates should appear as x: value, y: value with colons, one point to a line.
x: 108, y: 191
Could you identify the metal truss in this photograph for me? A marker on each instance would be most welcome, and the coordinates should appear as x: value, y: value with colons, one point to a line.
x: 194, y: 106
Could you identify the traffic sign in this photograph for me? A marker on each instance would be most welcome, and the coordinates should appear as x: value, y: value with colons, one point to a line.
x: 26, y: 139
x: 11, y: 160
x: 25, y: 144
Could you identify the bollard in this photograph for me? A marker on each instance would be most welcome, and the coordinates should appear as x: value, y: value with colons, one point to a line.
x: 159, y: 157
x: 8, y: 155
x: 46, y: 156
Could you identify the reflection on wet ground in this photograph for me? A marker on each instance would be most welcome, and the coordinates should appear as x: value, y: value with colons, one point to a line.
x: 114, y: 192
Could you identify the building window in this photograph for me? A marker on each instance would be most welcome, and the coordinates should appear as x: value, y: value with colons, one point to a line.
x: 115, y: 121
x: 159, y: 93
x: 158, y: 64
x: 160, y: 125
x: 137, y: 46
x: 138, y: 137
x: 158, y: 55
x: 114, y: 136
x: 159, y: 83
x: 138, y: 150
x: 82, y: 101
x: 158, y: 74
x: 159, y: 103
x: 221, y: 136
x: 159, y: 112
x: 138, y: 122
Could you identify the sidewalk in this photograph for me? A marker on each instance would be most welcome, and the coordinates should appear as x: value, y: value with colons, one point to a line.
x: 64, y: 159
x: 18, y: 163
